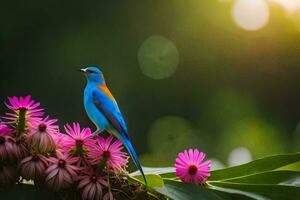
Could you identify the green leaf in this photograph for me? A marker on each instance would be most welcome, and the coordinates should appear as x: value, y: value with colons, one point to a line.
x: 256, y: 166
x: 262, y: 191
x: 182, y: 191
x: 236, y: 194
x: 166, y: 172
x: 153, y: 180
x: 292, y: 167
x: 271, y: 177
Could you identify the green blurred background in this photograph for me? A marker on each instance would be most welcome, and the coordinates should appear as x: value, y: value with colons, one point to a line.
x: 219, y: 75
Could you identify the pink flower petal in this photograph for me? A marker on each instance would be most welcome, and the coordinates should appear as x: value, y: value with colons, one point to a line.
x: 190, y: 168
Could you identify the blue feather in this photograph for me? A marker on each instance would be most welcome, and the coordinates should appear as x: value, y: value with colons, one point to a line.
x: 103, y: 110
x: 133, y: 154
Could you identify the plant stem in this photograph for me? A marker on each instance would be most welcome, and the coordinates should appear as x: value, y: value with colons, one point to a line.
x: 21, y: 123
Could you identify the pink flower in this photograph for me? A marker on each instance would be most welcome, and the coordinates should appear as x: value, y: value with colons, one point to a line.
x: 33, y: 167
x: 190, y: 168
x: 6, y: 147
x: 78, y: 142
x: 110, y: 153
x: 10, y: 150
x: 5, y: 130
x: 8, y: 175
x: 41, y: 135
x: 91, y: 184
x: 108, y: 196
x: 18, y: 151
x: 59, y: 139
x: 23, y: 107
x: 61, y: 172
x: 6, y: 141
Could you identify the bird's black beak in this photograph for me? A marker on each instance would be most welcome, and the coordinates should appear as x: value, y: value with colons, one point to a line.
x: 82, y: 70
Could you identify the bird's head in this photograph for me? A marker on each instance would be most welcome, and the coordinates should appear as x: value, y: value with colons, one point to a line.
x: 93, y: 74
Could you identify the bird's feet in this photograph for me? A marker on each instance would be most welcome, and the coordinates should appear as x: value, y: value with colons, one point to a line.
x: 97, y: 132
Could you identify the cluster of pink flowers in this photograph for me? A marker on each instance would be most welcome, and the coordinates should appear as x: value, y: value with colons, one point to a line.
x: 33, y: 148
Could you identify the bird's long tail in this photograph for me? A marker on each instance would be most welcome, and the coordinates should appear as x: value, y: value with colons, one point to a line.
x: 133, y: 154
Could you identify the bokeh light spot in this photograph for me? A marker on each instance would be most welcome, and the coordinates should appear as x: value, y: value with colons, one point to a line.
x: 216, y: 164
x: 239, y: 156
x: 260, y: 137
x: 158, y: 57
x: 250, y: 15
x: 168, y: 136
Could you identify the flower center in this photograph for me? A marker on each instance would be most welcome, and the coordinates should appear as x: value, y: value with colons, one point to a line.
x: 192, y: 169
x: 42, y: 127
x: 2, y: 140
x: 79, y: 144
x: 106, y: 155
x: 61, y: 163
x: 79, y: 149
x: 93, y: 179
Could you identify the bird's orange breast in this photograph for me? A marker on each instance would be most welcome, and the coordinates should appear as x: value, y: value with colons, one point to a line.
x: 106, y: 91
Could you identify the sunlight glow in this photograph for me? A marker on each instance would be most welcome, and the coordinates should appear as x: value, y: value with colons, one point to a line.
x: 250, y: 15
x: 291, y: 6
x: 238, y: 156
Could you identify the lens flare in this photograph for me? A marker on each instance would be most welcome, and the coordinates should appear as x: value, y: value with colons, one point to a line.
x: 158, y: 57
x: 250, y: 15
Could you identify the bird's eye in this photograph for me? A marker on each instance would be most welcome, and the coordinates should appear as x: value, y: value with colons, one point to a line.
x: 90, y: 71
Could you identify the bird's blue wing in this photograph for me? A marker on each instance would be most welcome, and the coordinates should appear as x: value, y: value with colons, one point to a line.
x: 109, y: 108
x: 107, y: 105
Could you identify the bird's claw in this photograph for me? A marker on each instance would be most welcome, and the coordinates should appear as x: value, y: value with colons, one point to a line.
x: 96, y: 133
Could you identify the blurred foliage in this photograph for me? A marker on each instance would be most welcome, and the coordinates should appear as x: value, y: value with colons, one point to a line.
x: 259, y: 137
x: 230, y: 88
x: 167, y: 137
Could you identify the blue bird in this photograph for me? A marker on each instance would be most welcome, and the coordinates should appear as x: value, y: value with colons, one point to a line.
x: 103, y: 110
